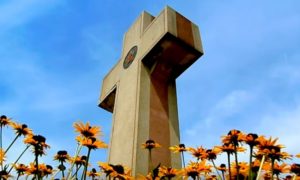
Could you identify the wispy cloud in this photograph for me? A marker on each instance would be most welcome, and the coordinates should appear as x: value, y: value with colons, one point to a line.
x: 283, y: 124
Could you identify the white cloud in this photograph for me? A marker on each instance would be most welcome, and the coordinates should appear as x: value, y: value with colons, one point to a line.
x: 283, y: 124
x: 232, y: 103
x: 216, y: 119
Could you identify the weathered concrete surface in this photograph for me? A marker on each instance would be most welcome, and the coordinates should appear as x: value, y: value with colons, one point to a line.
x: 142, y: 97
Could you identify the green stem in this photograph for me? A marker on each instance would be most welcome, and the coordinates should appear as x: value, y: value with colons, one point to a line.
x: 18, y: 135
x: 223, y: 175
x: 250, y: 163
x: 18, y: 158
x: 260, y: 167
x: 18, y: 176
x: 150, y: 160
x: 236, y: 163
x: 78, y: 149
x: 76, y: 172
x: 183, y: 159
x: 229, y: 168
x: 216, y: 168
x: 37, y: 166
x: 86, y: 164
x: 272, y: 168
x: 62, y: 170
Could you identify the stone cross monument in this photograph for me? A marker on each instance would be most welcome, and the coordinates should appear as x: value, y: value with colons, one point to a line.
x: 140, y: 89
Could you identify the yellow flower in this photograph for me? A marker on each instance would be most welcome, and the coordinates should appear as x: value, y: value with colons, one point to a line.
x: 121, y: 172
x: 79, y: 160
x: 107, y: 168
x: 178, y: 148
x: 116, y: 171
x: 211, y: 177
x: 20, y: 168
x: 4, y: 121
x: 298, y: 155
x: 255, y: 165
x: 38, y: 142
x: 269, y: 144
x: 211, y: 154
x: 232, y: 137
x: 21, y: 129
x: 62, y: 156
x: 43, y: 169
x: 250, y: 139
x: 46, y: 170
x: 91, y: 142
x: 272, y: 150
x: 93, y: 173
x: 194, y: 169
x: 222, y: 168
x: 229, y: 148
x: 147, y: 177
x: 243, y: 170
x: 278, y: 168
x: 168, y: 173
x: 86, y: 130
x: 150, y: 144
x: 199, y: 152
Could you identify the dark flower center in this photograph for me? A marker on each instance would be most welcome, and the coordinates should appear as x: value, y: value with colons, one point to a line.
x: 118, y: 168
x: 39, y: 138
x: 83, y: 158
x: 49, y: 167
x: 182, y: 146
x: 3, y: 173
x: 193, y: 174
x: 295, y: 168
x: 150, y: 142
x: 211, y: 154
x: 254, y: 136
x: 24, y: 126
x: 62, y: 153
x: 94, y: 170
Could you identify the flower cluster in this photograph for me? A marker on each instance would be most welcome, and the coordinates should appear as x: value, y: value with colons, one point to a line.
x: 89, y: 137
x: 267, y: 160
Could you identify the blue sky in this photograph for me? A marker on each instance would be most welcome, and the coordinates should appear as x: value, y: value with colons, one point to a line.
x: 55, y: 53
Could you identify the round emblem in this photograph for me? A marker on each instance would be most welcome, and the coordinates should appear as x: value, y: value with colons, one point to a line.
x: 130, y: 57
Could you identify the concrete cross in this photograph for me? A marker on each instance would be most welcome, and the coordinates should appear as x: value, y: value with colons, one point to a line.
x: 140, y: 89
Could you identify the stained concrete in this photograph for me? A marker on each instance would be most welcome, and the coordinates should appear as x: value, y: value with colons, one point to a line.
x: 142, y: 96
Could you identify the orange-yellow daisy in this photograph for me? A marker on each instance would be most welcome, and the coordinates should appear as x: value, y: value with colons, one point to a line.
x: 150, y: 144
x: 167, y: 172
x: 86, y: 130
x: 178, y: 148
x: 91, y: 142
x: 4, y: 121
x: 21, y: 129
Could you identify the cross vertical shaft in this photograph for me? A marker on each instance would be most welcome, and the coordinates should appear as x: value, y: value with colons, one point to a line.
x: 140, y: 90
